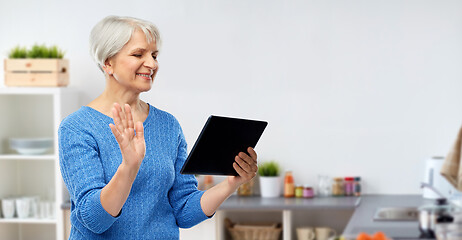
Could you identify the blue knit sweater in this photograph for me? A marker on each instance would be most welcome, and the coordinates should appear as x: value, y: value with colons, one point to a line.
x: 161, y: 199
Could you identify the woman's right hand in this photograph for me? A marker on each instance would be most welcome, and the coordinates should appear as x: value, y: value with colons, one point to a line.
x: 132, y: 146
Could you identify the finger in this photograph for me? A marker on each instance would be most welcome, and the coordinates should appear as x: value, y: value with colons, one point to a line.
x: 252, y: 154
x: 252, y: 162
x: 253, y: 167
x: 247, y: 158
x: 239, y: 170
x: 123, y: 117
x: 128, y: 113
x: 130, y: 126
x: 249, y: 161
x: 243, y: 164
x: 139, y: 130
x: 116, y: 117
x: 116, y: 133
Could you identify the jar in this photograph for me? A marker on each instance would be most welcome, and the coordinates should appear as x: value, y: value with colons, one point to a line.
x: 246, y: 189
x: 299, y: 191
x: 324, y: 186
x: 349, y: 186
x: 208, y: 182
x: 289, y: 188
x: 308, y: 192
x: 357, y: 186
x: 337, y: 187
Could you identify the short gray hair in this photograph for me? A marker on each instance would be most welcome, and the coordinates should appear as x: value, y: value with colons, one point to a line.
x: 112, y: 33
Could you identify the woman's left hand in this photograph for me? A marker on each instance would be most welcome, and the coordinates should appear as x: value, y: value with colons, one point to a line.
x: 246, y: 166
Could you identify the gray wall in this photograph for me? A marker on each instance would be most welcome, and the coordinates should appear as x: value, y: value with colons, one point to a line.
x: 369, y: 88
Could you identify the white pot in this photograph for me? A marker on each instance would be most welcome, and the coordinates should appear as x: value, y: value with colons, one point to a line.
x: 270, y: 186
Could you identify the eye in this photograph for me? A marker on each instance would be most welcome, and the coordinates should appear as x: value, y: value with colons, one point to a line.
x: 154, y: 56
x: 137, y: 55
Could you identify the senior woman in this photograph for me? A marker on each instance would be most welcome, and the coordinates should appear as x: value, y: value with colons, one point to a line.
x: 120, y: 157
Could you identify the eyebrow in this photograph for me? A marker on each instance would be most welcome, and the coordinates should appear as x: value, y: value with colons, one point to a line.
x: 142, y: 50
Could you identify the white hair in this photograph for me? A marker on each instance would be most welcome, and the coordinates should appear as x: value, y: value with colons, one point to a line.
x: 112, y: 33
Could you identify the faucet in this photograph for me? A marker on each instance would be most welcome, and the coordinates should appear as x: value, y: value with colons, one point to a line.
x: 426, y: 185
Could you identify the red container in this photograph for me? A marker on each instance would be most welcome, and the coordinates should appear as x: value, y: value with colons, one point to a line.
x: 349, y: 186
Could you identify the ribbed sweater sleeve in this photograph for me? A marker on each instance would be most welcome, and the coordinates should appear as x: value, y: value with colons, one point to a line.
x: 83, y: 175
x: 184, y: 196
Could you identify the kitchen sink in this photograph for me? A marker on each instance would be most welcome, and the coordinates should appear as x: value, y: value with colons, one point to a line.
x: 397, y: 214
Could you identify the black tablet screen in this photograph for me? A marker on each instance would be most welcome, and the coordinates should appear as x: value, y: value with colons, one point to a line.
x: 221, y: 139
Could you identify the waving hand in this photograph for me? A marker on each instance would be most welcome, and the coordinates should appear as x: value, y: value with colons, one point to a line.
x: 129, y: 136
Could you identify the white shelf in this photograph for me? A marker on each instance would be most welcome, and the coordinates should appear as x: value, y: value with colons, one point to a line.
x: 28, y: 220
x: 30, y: 90
x: 48, y: 157
x: 33, y: 175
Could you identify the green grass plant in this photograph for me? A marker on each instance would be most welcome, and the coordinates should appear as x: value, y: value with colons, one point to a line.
x: 18, y: 52
x: 269, y: 169
x: 37, y: 51
x: 55, y: 52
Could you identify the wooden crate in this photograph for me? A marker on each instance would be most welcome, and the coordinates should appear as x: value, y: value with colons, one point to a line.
x: 36, y: 72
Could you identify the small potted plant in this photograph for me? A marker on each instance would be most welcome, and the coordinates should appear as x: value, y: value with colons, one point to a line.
x: 38, y: 66
x: 270, y: 182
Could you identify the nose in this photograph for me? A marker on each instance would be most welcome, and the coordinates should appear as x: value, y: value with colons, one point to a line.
x: 151, y: 63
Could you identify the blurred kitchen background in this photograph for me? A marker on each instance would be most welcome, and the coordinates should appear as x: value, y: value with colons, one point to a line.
x: 349, y: 88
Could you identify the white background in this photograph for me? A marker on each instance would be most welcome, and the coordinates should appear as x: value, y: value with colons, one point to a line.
x: 367, y: 88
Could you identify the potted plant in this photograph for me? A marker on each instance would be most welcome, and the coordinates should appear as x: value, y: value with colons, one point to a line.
x: 270, y: 182
x: 38, y: 66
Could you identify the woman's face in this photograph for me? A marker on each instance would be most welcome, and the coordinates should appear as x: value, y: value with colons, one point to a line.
x: 135, y: 66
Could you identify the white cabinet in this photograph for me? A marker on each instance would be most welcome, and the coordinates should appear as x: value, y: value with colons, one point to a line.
x: 332, y: 212
x: 26, y: 113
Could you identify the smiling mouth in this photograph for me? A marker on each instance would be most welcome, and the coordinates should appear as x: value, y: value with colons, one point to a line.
x: 146, y: 76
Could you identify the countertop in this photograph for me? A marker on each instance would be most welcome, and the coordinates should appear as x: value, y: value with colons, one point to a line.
x: 258, y: 203
x: 280, y: 203
x: 362, y: 219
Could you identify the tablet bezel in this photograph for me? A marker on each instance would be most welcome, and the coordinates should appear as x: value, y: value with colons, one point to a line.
x: 223, y: 137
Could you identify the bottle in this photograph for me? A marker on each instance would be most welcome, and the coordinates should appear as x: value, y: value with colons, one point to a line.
x: 349, y: 186
x: 299, y: 191
x: 357, y: 186
x: 308, y: 192
x: 289, y: 188
x: 337, y: 187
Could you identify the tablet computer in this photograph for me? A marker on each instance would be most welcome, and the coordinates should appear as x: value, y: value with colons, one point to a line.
x: 219, y: 142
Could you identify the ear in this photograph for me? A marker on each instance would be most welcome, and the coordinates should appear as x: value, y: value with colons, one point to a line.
x: 108, y: 67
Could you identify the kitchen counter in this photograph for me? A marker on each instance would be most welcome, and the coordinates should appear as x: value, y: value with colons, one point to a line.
x: 289, y: 208
x: 362, y: 219
x: 258, y: 203
x: 280, y: 203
